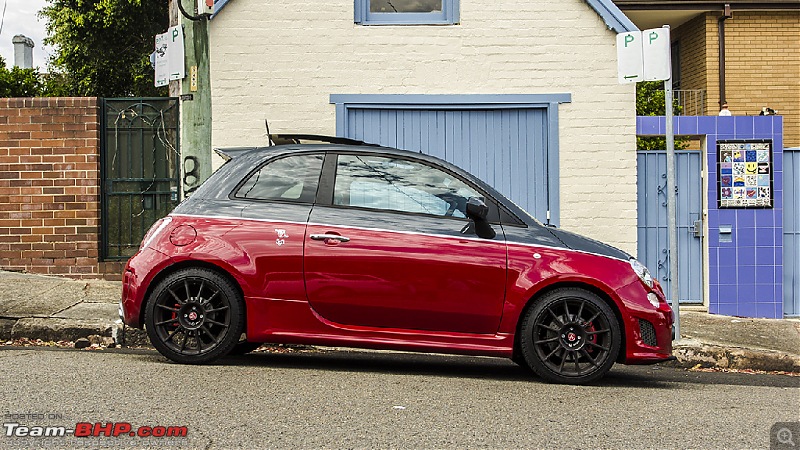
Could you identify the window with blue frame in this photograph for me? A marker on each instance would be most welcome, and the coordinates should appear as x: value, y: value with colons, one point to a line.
x: 406, y: 12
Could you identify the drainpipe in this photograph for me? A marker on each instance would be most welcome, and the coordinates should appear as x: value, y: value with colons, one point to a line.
x: 726, y: 14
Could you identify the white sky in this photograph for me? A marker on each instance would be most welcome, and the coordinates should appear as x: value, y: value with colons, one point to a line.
x: 21, y: 18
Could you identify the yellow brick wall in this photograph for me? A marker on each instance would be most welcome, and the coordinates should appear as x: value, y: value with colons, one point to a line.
x: 762, y: 63
x: 763, y: 66
x: 691, y: 38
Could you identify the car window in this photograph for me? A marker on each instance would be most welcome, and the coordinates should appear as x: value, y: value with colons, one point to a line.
x: 399, y: 185
x: 294, y: 178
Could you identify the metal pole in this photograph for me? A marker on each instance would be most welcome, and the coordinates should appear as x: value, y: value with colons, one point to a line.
x: 671, y: 208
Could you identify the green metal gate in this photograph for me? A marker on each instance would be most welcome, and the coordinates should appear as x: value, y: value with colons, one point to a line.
x: 139, y: 160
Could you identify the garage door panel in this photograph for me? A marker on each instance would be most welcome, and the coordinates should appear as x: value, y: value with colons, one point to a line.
x: 507, y: 148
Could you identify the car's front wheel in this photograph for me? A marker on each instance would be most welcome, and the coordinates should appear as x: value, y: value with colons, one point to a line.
x: 194, y: 316
x: 570, y: 336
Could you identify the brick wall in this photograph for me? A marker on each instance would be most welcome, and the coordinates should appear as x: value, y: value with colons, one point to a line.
x: 762, y: 63
x: 691, y: 38
x: 762, y: 53
x: 50, y: 186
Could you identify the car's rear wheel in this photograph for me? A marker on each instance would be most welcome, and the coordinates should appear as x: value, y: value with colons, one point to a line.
x: 194, y: 316
x: 570, y: 336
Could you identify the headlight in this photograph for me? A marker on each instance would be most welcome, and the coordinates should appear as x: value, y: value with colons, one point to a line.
x: 642, y: 272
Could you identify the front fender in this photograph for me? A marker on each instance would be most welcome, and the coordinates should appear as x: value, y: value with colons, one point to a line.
x: 533, y: 270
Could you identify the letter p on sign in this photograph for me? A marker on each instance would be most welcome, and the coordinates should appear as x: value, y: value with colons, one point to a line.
x: 657, y: 63
x: 644, y: 55
x: 630, y: 61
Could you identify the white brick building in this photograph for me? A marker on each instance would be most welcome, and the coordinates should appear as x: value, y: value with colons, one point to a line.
x: 510, y: 83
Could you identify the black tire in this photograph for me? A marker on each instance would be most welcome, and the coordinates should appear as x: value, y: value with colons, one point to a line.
x: 519, y: 360
x: 194, y: 316
x: 570, y: 336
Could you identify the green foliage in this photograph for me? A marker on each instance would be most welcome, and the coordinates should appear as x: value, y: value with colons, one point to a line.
x: 16, y: 82
x: 56, y: 85
x: 103, y: 47
x: 651, y: 101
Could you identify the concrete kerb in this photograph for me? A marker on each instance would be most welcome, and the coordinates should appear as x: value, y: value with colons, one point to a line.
x: 692, y: 353
x: 57, y: 329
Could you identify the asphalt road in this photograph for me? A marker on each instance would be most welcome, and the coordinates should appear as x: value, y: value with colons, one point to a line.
x: 343, y: 399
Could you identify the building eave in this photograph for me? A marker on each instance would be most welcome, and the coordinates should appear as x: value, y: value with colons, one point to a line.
x: 705, y: 5
x: 218, y: 6
x: 614, y: 18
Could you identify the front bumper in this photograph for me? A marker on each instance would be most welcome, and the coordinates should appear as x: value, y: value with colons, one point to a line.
x: 648, y: 330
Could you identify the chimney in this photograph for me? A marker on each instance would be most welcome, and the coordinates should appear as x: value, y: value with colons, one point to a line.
x: 23, y: 51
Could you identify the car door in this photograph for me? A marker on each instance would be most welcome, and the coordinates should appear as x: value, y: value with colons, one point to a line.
x: 392, y: 248
x: 276, y: 197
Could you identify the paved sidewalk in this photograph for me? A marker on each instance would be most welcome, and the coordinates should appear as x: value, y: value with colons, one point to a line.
x: 61, y: 309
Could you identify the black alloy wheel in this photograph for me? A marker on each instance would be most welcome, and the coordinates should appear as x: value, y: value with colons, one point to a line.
x: 570, y: 336
x: 194, y: 316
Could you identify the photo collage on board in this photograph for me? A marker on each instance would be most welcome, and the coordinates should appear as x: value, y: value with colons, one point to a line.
x: 745, y: 174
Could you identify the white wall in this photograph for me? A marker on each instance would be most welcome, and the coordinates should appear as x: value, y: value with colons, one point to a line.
x: 281, y: 61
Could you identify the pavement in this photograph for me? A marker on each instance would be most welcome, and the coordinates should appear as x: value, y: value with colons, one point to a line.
x: 36, y: 307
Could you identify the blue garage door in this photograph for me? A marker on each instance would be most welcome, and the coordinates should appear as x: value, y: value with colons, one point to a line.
x: 791, y: 232
x: 507, y: 148
x: 652, y: 243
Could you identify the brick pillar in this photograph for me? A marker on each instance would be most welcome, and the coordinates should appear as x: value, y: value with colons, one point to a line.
x: 50, y: 186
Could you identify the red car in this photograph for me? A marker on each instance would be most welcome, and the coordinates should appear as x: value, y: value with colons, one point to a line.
x: 372, y: 247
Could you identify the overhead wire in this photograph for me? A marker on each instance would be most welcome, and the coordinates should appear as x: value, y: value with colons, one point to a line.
x: 3, y: 18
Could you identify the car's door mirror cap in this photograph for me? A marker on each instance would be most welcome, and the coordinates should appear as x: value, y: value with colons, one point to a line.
x: 478, y: 211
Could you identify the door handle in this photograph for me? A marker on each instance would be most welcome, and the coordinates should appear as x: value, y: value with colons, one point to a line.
x: 325, y: 237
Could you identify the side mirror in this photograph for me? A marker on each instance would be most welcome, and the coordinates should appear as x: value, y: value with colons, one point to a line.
x: 478, y: 211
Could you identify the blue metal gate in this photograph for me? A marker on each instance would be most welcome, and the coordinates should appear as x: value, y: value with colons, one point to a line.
x: 507, y: 148
x: 653, y: 241
x: 791, y: 232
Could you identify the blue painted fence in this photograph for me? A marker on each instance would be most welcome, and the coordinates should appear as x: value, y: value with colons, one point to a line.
x: 653, y: 243
x: 791, y: 232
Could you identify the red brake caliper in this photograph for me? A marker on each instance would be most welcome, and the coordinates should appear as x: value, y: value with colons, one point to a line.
x: 591, y: 338
x: 174, y: 322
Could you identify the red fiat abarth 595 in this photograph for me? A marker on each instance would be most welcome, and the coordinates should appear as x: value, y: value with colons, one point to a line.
x: 373, y: 247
